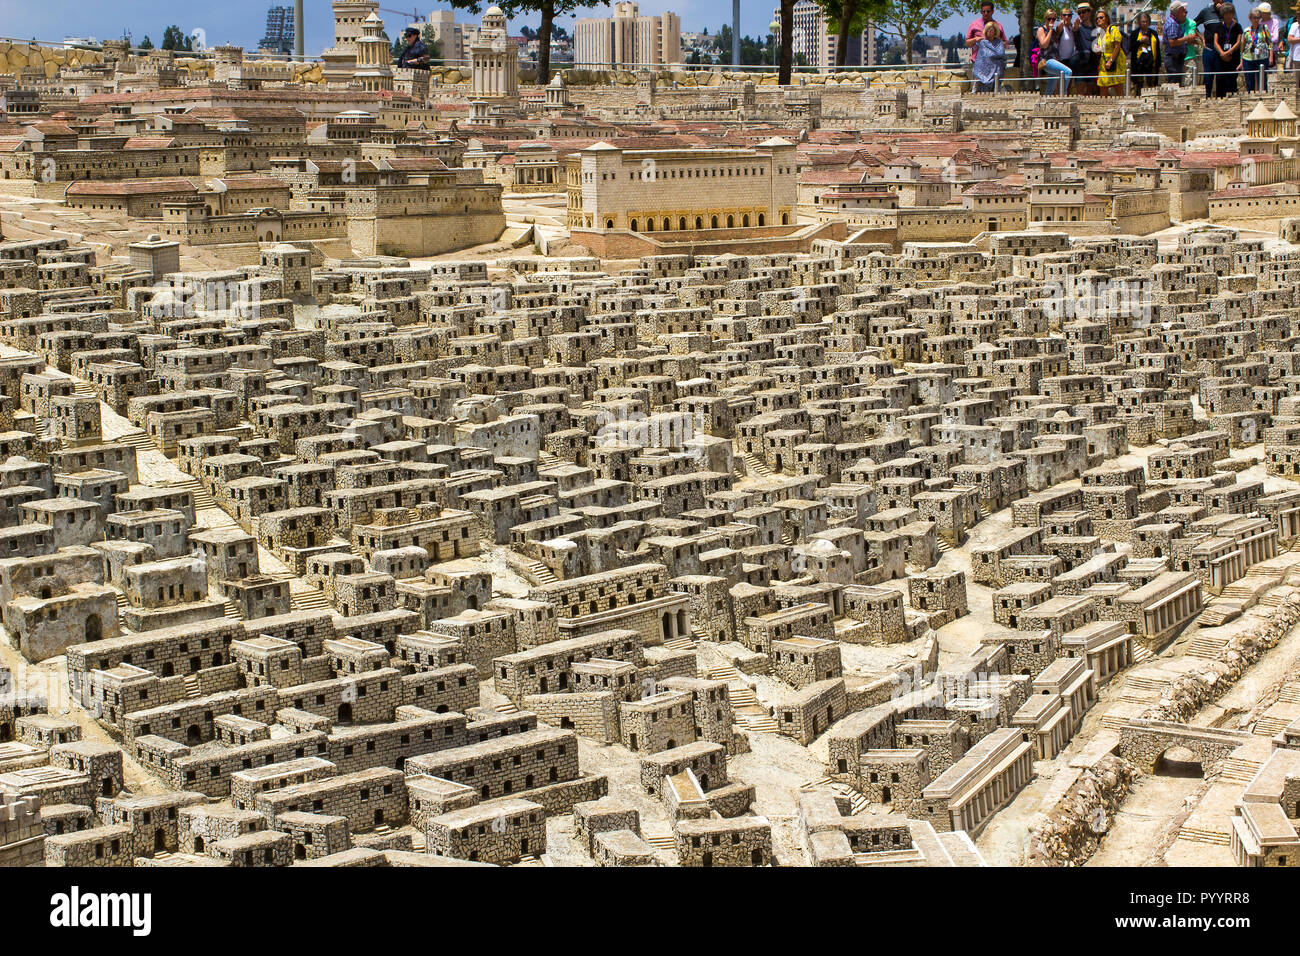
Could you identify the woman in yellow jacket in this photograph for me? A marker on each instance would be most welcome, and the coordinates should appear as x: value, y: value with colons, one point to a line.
x: 1112, y: 68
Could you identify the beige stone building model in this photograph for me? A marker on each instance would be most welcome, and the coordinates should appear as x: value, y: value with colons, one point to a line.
x: 654, y: 469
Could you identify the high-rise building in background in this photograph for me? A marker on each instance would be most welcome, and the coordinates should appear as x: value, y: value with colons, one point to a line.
x: 627, y: 39
x: 453, y: 38
x: 279, y: 30
x: 814, y: 39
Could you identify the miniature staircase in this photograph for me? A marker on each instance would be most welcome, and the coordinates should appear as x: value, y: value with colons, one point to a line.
x: 540, y: 572
x: 1144, y: 682
x: 203, y: 499
x: 662, y: 843
x: 191, y: 686
x: 755, y: 466
x: 232, y: 610
x: 680, y: 644
x: 1219, y: 612
x: 1269, y: 726
x: 1202, y: 835
x: 136, y: 439
x: 1206, y: 648
x: 756, y: 724
x: 309, y: 600
x: 722, y: 673
x: 1237, y: 770
x: 509, y: 707
x: 1142, y: 653
x: 81, y: 387
x: 944, y: 545
x: 857, y: 801
x: 1238, y: 592
x: 1290, y: 694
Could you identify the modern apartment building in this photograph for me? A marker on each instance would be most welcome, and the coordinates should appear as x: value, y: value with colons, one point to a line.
x: 627, y: 39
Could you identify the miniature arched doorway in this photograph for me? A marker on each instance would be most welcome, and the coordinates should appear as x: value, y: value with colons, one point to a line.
x: 1179, y: 762
x: 193, y: 735
x: 94, y: 628
x: 345, y: 713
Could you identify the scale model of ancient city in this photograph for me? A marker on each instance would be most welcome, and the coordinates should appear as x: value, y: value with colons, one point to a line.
x: 669, y: 466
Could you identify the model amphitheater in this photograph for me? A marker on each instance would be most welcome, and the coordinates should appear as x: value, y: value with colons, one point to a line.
x: 435, y: 469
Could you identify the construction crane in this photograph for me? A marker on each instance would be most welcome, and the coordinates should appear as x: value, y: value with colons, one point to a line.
x: 413, y: 14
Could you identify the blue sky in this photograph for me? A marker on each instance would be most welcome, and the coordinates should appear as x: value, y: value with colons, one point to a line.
x: 242, y: 21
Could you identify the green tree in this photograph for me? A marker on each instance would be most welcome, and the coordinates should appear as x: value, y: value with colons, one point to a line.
x: 908, y: 19
x: 722, y: 40
x: 174, y: 38
x: 547, y: 9
x: 146, y: 43
x: 430, y: 37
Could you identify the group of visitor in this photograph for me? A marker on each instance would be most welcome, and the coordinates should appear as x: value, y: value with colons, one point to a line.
x: 1082, y: 50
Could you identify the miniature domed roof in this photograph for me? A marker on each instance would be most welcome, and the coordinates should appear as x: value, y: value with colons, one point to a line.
x: 494, y: 11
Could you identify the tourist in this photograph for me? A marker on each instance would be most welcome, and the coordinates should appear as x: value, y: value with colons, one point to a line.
x: 1228, y: 38
x: 415, y: 55
x: 1065, y: 42
x: 1207, y: 22
x: 1049, y: 54
x: 975, y: 32
x: 1274, y: 27
x: 1086, y: 55
x: 1179, y: 41
x: 1144, y: 46
x: 1293, y: 45
x: 1256, y: 53
x: 990, y: 59
x: 1109, y: 42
